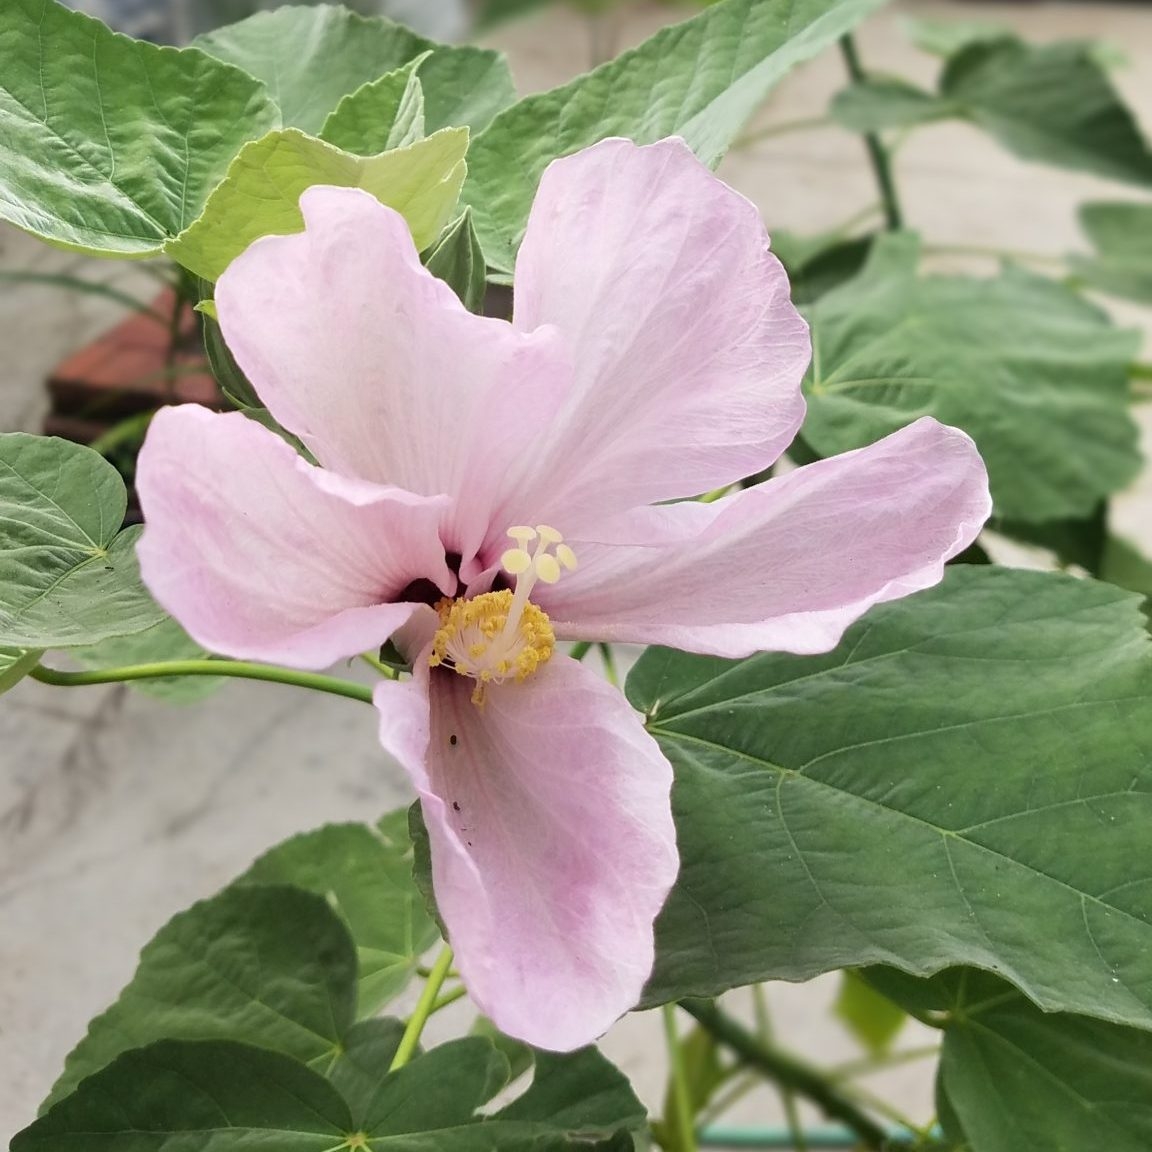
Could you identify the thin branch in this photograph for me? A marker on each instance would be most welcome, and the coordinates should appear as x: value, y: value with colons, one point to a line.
x: 787, y: 1070
x: 238, y: 668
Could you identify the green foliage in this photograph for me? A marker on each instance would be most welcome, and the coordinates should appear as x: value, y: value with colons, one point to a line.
x: 877, y: 105
x: 68, y: 575
x: 368, y: 881
x: 312, y: 57
x: 1053, y: 104
x: 387, y: 113
x: 701, y: 79
x: 1036, y: 375
x: 978, y: 783
x: 237, y: 1098
x: 1122, y: 236
x: 458, y: 260
x: 175, y: 1095
x: 704, y: 1073
x: 948, y: 37
x: 817, y: 264
x: 1015, y: 1077
x: 233, y: 383
x: 272, y: 966
x: 261, y: 193
x: 870, y: 1016
x: 110, y: 145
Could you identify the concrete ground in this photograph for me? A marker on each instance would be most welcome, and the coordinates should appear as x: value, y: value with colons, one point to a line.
x: 117, y: 810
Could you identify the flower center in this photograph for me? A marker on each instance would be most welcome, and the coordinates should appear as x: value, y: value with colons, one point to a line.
x: 499, y: 636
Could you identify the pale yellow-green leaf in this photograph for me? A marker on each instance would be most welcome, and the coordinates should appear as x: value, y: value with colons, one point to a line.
x: 261, y: 193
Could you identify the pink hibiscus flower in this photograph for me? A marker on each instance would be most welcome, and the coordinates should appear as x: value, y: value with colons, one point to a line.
x: 486, y: 488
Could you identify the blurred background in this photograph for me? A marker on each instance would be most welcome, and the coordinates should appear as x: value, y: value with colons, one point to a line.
x: 118, y: 809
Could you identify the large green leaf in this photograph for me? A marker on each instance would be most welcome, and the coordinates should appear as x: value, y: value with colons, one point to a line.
x: 175, y: 1096
x: 1035, y: 374
x: 368, y: 880
x: 966, y: 779
x: 1054, y: 104
x: 68, y: 575
x: 178, y: 1095
x: 261, y: 194
x: 311, y: 57
x: 110, y: 145
x: 1018, y: 1078
x: 701, y: 80
x: 268, y: 966
x: 1122, y: 236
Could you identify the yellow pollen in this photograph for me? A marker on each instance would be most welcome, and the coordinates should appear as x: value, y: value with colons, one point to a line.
x: 474, y: 641
x: 499, y: 636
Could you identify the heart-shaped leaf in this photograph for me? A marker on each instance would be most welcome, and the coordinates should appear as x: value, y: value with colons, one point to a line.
x: 1035, y: 374
x: 110, y: 145
x: 966, y: 779
x: 68, y: 575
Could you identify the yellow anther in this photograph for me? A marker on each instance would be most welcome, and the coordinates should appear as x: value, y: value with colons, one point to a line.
x: 547, y: 568
x: 479, y: 638
x: 515, y: 561
x: 566, y: 556
x: 522, y: 534
x: 548, y: 534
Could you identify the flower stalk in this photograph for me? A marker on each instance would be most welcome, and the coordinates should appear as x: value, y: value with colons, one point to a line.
x: 681, y: 1091
x: 241, y: 669
x: 425, y: 1006
x: 787, y: 1071
x: 877, y: 153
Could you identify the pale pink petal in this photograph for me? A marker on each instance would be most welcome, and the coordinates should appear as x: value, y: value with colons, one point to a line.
x: 378, y: 367
x: 262, y: 556
x: 688, y: 352
x: 552, y: 841
x: 786, y: 565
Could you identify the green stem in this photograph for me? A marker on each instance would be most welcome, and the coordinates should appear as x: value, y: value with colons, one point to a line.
x: 449, y: 998
x: 784, y: 128
x: 425, y: 1006
x: 742, y: 1084
x: 714, y: 495
x: 992, y: 253
x: 239, y: 668
x: 385, y: 670
x: 1141, y: 371
x: 766, y: 1033
x: 129, y: 429
x: 79, y: 284
x: 875, y: 1063
x: 581, y: 649
x: 681, y: 1092
x: 877, y: 152
x: 609, y: 664
x: 787, y: 1071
